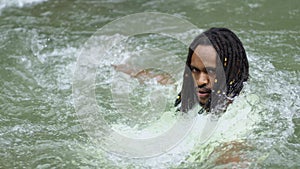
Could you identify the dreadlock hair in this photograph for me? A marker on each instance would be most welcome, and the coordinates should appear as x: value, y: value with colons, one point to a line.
x: 230, y: 76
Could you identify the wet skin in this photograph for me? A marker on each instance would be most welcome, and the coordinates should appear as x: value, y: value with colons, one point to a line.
x: 203, y: 67
x: 146, y: 74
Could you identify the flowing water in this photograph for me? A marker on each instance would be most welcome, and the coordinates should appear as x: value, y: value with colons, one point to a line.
x: 41, y: 40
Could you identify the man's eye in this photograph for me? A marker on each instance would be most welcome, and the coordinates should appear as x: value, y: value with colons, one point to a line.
x: 211, y: 71
x: 194, y: 70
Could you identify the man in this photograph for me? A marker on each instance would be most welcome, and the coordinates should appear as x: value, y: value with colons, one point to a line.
x: 216, y: 68
x: 215, y: 72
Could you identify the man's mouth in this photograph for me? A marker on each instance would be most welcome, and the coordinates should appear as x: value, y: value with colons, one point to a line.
x: 203, y: 92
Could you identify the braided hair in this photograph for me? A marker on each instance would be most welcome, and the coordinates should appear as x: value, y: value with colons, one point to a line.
x: 230, y: 76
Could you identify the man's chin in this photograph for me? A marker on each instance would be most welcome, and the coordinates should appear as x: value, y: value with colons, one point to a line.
x: 203, y: 103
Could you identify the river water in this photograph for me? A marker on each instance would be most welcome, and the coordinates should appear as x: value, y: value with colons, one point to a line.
x: 41, y: 41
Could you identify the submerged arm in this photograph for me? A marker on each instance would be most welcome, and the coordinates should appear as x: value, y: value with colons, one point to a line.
x: 146, y: 74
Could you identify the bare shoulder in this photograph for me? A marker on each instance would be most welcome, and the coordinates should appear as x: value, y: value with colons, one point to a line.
x: 231, y: 152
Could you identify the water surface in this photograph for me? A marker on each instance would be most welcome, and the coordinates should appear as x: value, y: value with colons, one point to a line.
x: 40, y: 42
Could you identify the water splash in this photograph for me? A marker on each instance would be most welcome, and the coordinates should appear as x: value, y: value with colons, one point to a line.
x: 18, y: 3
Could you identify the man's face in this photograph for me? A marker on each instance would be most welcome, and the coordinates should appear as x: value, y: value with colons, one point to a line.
x: 203, y: 67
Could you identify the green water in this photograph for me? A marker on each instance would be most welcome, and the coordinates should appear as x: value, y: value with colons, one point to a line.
x: 40, y: 43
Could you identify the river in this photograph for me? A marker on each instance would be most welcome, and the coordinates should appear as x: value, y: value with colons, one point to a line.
x: 41, y: 41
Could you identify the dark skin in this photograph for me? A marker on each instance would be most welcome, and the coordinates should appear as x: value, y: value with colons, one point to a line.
x: 145, y: 74
x: 231, y: 153
x: 202, y: 66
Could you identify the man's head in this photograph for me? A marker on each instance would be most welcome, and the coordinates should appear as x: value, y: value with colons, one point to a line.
x: 216, y: 68
x: 203, y: 68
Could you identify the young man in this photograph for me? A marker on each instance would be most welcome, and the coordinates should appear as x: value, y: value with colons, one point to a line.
x: 216, y: 68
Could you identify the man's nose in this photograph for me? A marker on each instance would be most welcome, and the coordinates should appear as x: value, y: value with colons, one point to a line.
x: 202, y: 79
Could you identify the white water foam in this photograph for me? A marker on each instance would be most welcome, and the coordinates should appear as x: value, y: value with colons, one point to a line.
x: 18, y: 3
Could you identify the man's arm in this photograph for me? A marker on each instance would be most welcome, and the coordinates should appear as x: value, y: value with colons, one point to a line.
x: 146, y: 74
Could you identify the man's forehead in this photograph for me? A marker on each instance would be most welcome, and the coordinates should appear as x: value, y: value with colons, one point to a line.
x: 206, y: 54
